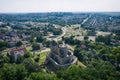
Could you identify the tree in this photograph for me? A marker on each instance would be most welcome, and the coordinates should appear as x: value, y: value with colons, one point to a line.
x: 37, y: 59
x: 69, y: 40
x: 91, y: 33
x: 21, y: 72
x: 3, y: 45
x: 104, y: 50
x: 86, y: 37
x: 78, y: 54
x: 4, y: 59
x: 35, y: 46
x: 113, y: 56
x: 18, y: 43
x: 9, y: 72
x: 32, y: 40
x: 1, y: 59
x: 27, y: 54
x: 31, y: 66
x: 13, y: 72
x: 97, y: 70
x: 39, y: 39
x: 20, y: 59
x: 46, y: 43
x: 42, y: 76
x: 104, y: 39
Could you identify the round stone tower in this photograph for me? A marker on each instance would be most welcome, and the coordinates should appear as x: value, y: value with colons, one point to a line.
x: 60, y: 56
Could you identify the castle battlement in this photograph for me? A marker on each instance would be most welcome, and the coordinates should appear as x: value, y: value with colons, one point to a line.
x: 60, y: 56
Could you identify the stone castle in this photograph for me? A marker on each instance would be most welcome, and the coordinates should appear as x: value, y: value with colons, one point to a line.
x: 60, y: 56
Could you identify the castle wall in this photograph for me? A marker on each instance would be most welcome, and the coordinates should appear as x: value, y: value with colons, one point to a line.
x: 61, y: 57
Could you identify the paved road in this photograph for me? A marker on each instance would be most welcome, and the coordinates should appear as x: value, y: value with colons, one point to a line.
x: 59, y: 37
x: 63, y: 33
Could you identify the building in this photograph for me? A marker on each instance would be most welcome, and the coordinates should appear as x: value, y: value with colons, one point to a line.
x: 18, y: 51
x: 41, y: 46
x: 60, y: 56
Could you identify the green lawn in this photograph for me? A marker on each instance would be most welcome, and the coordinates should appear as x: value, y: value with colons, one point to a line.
x: 41, y: 55
x: 29, y: 48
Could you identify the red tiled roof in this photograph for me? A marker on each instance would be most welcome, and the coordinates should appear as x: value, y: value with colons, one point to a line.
x: 18, y: 49
x: 41, y: 31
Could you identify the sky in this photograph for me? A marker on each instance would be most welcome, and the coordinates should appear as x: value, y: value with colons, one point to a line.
x: 17, y: 6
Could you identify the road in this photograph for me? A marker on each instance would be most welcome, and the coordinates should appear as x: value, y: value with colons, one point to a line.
x: 60, y: 38
x: 86, y: 19
x: 57, y: 38
x: 63, y: 33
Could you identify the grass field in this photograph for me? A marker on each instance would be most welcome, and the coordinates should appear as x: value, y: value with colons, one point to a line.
x: 29, y: 48
x: 75, y: 30
x: 41, y: 56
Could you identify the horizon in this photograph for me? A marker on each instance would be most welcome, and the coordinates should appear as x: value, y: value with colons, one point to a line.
x: 46, y: 6
x: 56, y: 12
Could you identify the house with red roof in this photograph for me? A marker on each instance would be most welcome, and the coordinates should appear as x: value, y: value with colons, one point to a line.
x: 18, y: 51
